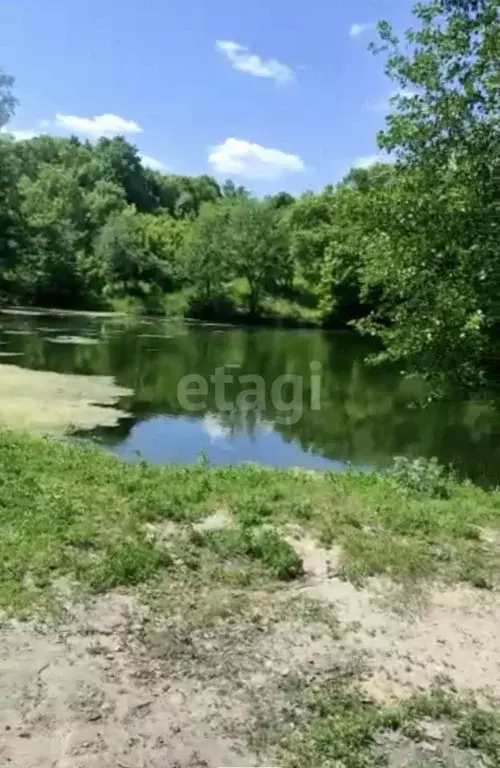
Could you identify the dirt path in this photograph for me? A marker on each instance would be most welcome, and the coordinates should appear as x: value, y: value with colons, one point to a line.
x: 117, y: 685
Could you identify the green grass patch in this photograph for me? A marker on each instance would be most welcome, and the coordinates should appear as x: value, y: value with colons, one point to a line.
x: 338, y: 726
x: 290, y: 312
x: 176, y: 304
x: 71, y: 510
x: 266, y: 547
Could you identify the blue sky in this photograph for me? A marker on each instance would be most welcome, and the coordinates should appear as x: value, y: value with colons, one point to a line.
x: 277, y: 94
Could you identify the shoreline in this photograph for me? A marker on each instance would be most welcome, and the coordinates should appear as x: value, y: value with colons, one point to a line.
x: 269, y: 617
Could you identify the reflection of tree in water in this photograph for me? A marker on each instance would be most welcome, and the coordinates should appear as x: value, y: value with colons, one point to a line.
x: 365, y: 416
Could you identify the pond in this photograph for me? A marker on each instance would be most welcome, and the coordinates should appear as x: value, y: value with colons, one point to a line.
x: 218, y: 392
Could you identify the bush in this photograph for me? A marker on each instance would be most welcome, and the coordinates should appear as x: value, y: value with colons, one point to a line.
x: 420, y: 477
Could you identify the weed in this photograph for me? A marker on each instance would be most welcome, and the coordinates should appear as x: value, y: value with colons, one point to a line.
x: 124, y: 563
x: 481, y: 730
x: 266, y: 547
x: 338, y: 725
x: 420, y: 477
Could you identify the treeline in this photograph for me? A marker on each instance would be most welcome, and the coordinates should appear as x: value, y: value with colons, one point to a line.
x: 407, y: 251
x: 88, y: 226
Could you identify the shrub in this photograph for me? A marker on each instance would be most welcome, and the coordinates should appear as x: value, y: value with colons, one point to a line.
x: 420, y: 477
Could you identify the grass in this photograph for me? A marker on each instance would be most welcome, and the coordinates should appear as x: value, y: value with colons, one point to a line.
x: 264, y: 546
x: 70, y: 510
x: 290, y: 312
x: 337, y: 725
x: 176, y: 304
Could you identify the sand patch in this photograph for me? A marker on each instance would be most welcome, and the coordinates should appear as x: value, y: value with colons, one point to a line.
x: 218, y: 521
x: 115, y: 685
x: 410, y: 636
x: 55, y: 403
x: 190, y: 682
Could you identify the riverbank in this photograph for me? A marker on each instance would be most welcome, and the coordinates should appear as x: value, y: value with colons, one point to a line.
x: 279, y: 312
x: 267, y: 617
x: 276, y: 313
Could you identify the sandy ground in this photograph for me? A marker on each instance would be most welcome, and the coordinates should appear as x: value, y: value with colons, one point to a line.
x: 45, y: 402
x: 411, y: 636
x: 116, y: 685
x: 111, y: 687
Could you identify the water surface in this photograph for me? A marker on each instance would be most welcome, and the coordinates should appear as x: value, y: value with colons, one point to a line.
x: 367, y: 413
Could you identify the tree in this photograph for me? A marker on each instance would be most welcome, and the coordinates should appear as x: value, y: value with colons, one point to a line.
x: 7, y: 98
x: 163, y: 237
x: 51, y: 150
x: 205, y: 257
x: 11, y: 229
x: 310, y: 221
x: 131, y: 258
x: 182, y: 196
x: 54, y: 214
x: 367, y: 179
x: 281, y: 200
x: 103, y: 200
x: 433, y: 253
x: 118, y: 161
x: 258, y: 248
x: 232, y: 192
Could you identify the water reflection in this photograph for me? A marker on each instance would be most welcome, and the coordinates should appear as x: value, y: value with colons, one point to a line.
x: 365, y: 418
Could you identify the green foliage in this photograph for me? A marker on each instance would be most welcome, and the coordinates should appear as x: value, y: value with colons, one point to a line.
x: 7, y: 100
x: 125, y: 260
x: 480, y: 730
x: 334, y: 723
x: 257, y: 246
x: 124, y: 563
x: 309, y: 221
x: 12, y: 229
x: 204, y: 255
x: 433, y: 254
x: 420, y: 477
x: 266, y: 547
x: 136, y: 252
x: 117, y: 161
x: 54, y: 213
x: 231, y: 192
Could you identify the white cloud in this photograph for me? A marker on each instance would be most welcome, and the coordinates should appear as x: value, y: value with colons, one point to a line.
x: 214, y: 429
x: 152, y: 163
x: 359, y: 29
x: 384, y: 105
x: 19, y: 135
x: 245, y: 61
x: 242, y: 158
x: 100, y: 125
x: 366, y: 161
